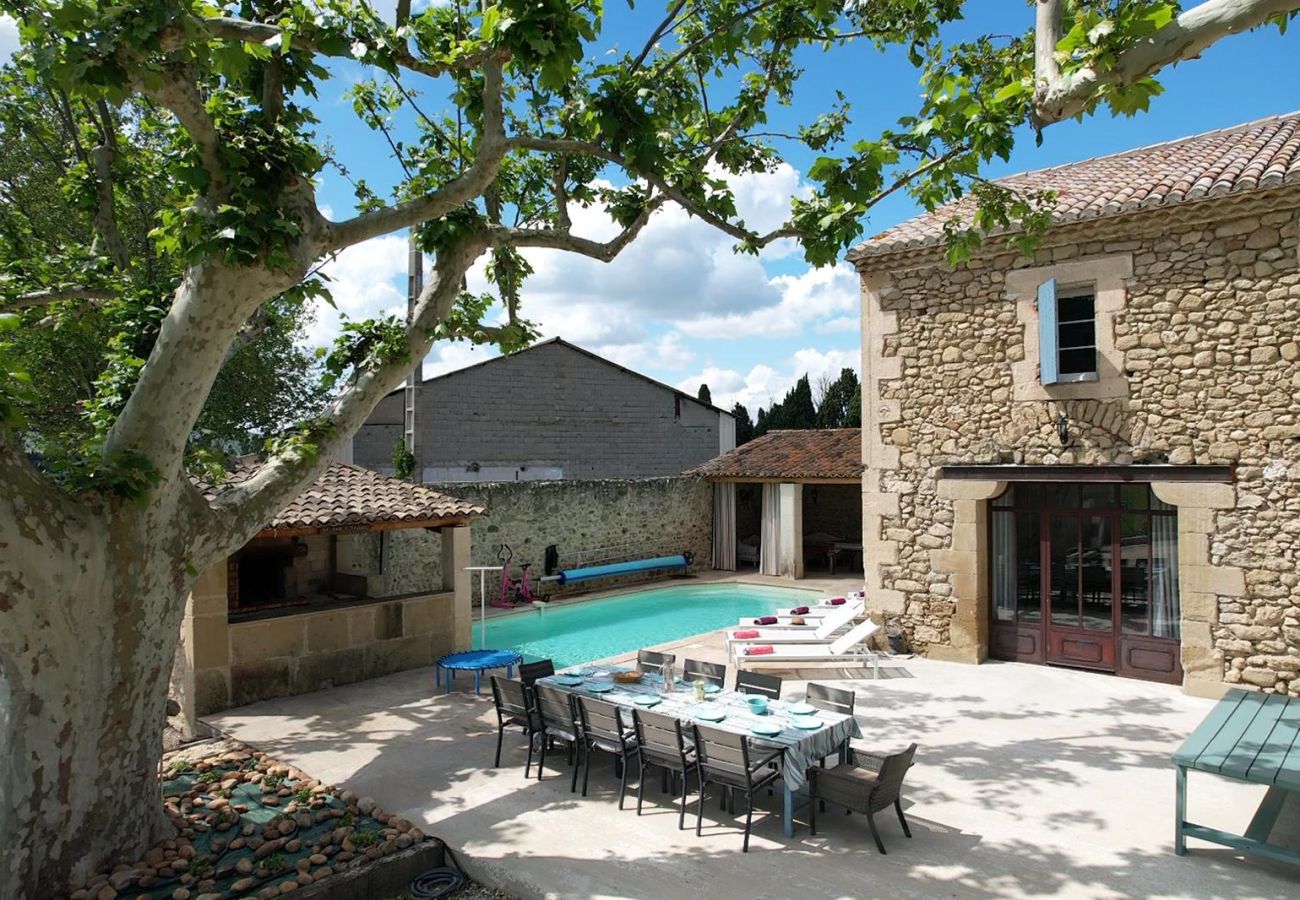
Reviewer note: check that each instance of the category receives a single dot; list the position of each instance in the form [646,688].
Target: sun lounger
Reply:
[816,612]
[850,649]
[822,633]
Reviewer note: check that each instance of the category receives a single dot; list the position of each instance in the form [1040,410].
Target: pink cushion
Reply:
[759,650]
[765,620]
[747,633]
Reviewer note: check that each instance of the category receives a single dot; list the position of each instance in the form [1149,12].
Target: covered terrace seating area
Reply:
[788,503]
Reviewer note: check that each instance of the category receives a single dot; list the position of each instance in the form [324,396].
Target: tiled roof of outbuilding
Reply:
[791,455]
[351,496]
[1253,156]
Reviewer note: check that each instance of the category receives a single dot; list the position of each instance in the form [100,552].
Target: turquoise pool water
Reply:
[594,629]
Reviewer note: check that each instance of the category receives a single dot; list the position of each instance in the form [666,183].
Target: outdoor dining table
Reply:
[800,748]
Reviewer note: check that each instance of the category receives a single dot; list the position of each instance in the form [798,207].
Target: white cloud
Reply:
[452,355]
[763,384]
[666,352]
[364,284]
[683,273]
[8,37]
[826,299]
[680,273]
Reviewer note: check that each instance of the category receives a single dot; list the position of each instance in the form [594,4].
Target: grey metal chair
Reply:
[768,686]
[725,759]
[710,673]
[602,728]
[514,709]
[529,672]
[651,661]
[866,783]
[662,743]
[557,721]
[831,699]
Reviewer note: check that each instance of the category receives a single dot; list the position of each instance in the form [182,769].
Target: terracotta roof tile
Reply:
[346,495]
[1253,156]
[819,453]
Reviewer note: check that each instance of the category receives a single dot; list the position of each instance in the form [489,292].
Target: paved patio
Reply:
[1030,782]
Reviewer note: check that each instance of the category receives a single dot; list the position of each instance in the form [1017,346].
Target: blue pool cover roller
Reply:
[624,568]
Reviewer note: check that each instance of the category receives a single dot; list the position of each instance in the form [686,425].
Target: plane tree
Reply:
[503,117]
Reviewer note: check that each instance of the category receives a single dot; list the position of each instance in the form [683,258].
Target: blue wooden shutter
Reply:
[1048,341]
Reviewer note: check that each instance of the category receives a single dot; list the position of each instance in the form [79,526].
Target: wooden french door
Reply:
[1085,576]
[1078,588]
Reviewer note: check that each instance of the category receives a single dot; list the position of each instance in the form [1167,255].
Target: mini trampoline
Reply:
[475,661]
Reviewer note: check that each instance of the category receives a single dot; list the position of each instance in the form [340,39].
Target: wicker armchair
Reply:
[865,784]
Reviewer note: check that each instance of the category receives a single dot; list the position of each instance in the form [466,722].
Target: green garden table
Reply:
[799,748]
[1248,736]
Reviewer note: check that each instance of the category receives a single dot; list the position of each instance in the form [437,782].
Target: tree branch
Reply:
[232,28]
[460,190]
[244,508]
[559,239]
[1063,95]
[178,93]
[58,295]
[105,218]
[585,148]
[656,35]
[273,90]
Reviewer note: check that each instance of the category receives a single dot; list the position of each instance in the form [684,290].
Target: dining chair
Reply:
[710,673]
[557,720]
[662,743]
[768,686]
[832,699]
[513,710]
[529,672]
[729,760]
[651,661]
[867,783]
[602,728]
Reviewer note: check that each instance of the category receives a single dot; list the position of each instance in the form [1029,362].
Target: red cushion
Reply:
[759,650]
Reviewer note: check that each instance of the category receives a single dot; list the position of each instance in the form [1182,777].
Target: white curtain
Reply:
[1004,564]
[769,544]
[1164,577]
[724,526]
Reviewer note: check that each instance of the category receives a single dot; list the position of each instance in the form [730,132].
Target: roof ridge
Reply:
[1259,155]
[1171,142]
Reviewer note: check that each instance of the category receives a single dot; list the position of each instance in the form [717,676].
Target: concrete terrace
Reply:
[1030,782]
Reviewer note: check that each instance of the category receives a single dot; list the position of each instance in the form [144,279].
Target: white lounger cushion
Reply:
[806,652]
[830,624]
[813,616]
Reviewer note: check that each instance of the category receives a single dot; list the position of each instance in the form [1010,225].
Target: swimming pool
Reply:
[594,629]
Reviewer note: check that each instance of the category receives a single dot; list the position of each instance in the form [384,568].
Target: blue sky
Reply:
[678,304]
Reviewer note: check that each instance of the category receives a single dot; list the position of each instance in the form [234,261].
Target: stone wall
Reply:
[641,517]
[1199,337]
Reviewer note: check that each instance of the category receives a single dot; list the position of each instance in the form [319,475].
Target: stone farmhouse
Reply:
[1091,457]
[553,411]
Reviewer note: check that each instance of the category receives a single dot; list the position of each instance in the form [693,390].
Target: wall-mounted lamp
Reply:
[1063,429]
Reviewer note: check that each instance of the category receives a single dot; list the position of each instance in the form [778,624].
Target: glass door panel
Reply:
[1135,573]
[1097,570]
[1029,567]
[1065,563]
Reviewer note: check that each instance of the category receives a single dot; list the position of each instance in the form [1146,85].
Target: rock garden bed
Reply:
[249,826]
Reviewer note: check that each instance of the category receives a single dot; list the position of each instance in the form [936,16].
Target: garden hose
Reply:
[440,882]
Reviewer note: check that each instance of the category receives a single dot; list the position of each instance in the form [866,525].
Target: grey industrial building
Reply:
[552,411]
